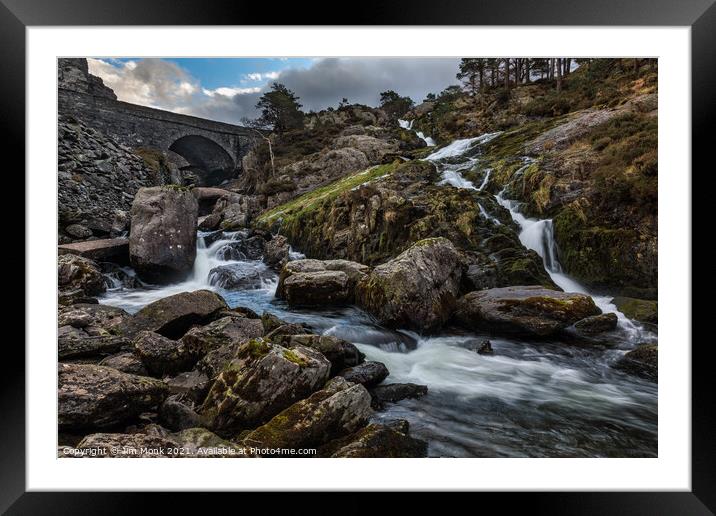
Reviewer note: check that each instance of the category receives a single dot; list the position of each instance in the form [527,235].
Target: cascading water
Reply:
[408,124]
[531,399]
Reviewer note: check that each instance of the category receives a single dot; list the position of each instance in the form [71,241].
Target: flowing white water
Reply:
[408,124]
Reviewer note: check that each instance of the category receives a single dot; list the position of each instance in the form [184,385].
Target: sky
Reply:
[227,89]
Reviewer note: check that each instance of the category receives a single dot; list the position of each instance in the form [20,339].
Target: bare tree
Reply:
[559,74]
[259,129]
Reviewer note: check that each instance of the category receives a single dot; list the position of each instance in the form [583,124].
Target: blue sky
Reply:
[227,89]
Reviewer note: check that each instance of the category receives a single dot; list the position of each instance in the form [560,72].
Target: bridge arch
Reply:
[206,158]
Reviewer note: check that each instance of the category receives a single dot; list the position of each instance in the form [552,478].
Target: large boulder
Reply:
[276,252]
[597,324]
[161,355]
[642,310]
[642,361]
[416,290]
[316,282]
[338,409]
[340,353]
[79,276]
[236,276]
[91,396]
[162,239]
[524,310]
[202,339]
[368,373]
[90,330]
[376,441]
[172,316]
[392,392]
[126,362]
[262,380]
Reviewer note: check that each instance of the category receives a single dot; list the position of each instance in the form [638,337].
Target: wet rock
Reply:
[92,396]
[192,384]
[236,276]
[172,316]
[270,322]
[417,290]
[126,363]
[338,409]
[524,310]
[641,310]
[642,361]
[276,251]
[161,355]
[177,416]
[137,446]
[368,373]
[75,273]
[392,392]
[262,380]
[199,340]
[209,222]
[340,353]
[378,441]
[316,282]
[597,324]
[162,239]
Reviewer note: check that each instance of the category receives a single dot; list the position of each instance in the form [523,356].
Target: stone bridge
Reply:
[212,150]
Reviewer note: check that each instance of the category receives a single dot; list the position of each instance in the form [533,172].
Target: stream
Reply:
[529,399]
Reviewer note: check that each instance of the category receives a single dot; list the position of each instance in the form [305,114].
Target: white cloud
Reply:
[230,92]
[257,76]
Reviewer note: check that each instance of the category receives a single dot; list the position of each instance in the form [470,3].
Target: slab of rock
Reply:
[368,373]
[137,446]
[523,310]
[162,238]
[416,290]
[340,353]
[377,441]
[202,339]
[162,356]
[89,330]
[172,316]
[338,409]
[262,380]
[91,396]
[114,250]
[642,361]
[126,363]
[192,384]
[319,283]
[75,273]
[597,324]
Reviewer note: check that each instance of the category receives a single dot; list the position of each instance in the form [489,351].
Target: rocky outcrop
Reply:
[642,361]
[162,240]
[529,311]
[78,277]
[73,74]
[416,290]
[321,283]
[338,409]
[263,379]
[172,316]
[92,396]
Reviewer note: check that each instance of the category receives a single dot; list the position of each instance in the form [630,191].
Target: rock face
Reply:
[416,290]
[79,275]
[642,361]
[321,283]
[162,240]
[528,311]
[262,380]
[96,396]
[376,441]
[172,316]
[338,409]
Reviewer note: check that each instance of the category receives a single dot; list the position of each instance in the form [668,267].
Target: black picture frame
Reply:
[699,15]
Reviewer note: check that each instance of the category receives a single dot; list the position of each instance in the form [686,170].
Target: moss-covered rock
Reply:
[642,361]
[376,441]
[642,310]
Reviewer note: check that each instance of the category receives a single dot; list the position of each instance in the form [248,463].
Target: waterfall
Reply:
[408,125]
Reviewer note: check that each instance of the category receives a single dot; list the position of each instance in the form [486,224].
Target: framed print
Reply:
[428,252]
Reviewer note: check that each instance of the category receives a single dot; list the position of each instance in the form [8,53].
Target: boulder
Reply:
[209,222]
[642,310]
[114,250]
[642,361]
[340,353]
[75,273]
[276,251]
[91,396]
[236,276]
[172,316]
[137,446]
[597,324]
[201,443]
[90,330]
[319,283]
[416,290]
[177,416]
[161,355]
[191,384]
[376,441]
[162,238]
[525,310]
[338,409]
[368,373]
[199,340]
[126,363]
[392,392]
[262,380]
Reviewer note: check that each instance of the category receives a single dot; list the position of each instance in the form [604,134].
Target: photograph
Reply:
[357,257]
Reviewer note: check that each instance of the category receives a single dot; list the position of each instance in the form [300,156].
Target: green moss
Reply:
[257,348]
[294,357]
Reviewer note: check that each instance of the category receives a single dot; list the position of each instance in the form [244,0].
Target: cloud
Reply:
[166,85]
